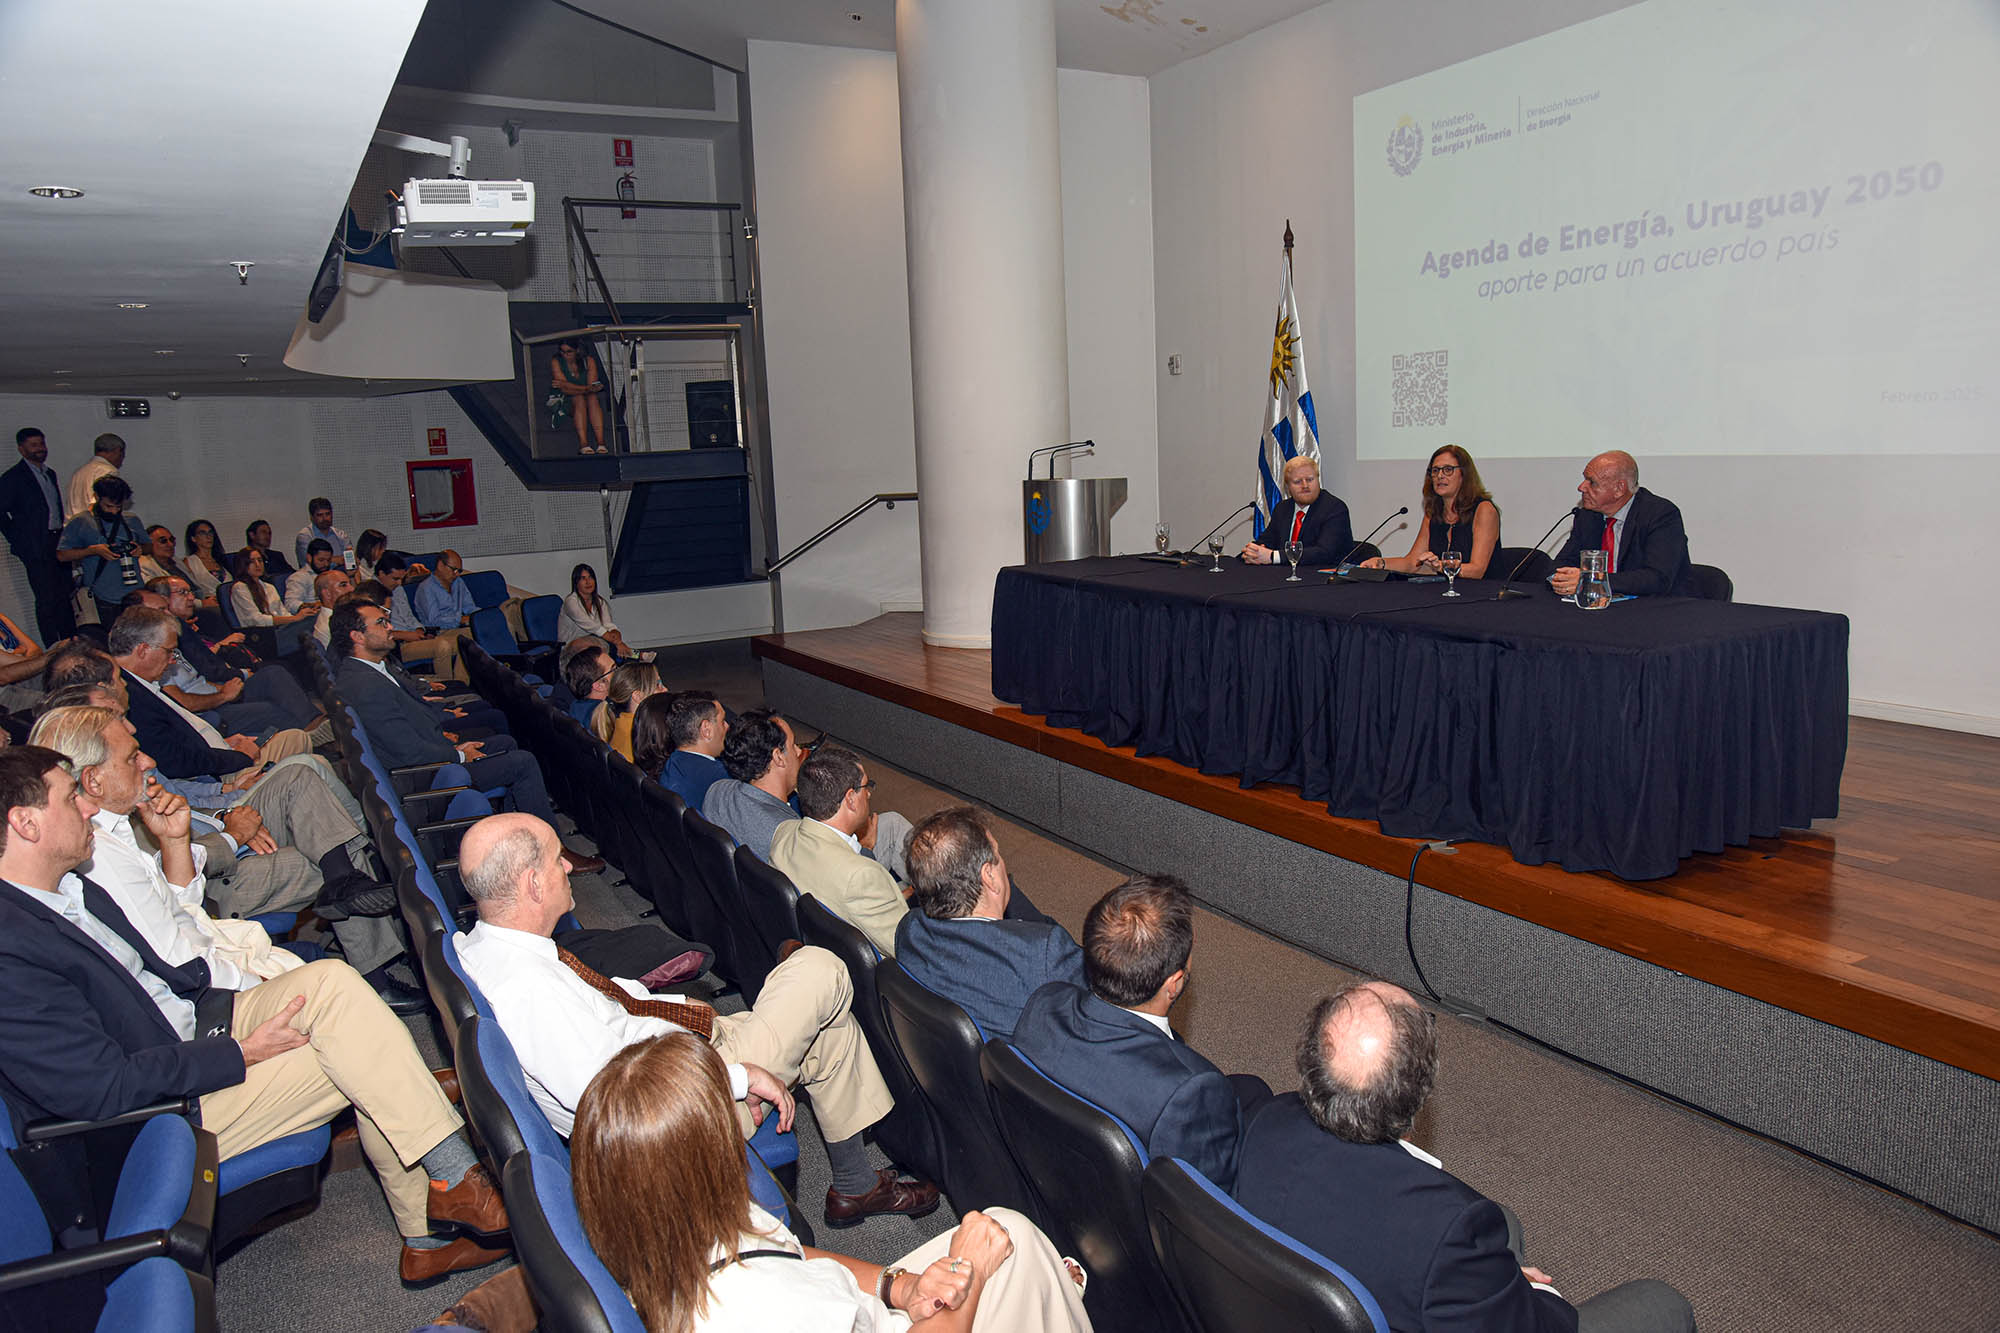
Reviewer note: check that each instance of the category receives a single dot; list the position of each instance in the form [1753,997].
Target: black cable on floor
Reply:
[1409,916]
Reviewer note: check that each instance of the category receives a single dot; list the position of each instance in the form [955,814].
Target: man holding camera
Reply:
[108,542]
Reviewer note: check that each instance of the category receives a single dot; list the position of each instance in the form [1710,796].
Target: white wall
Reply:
[836,311]
[232,460]
[1261,130]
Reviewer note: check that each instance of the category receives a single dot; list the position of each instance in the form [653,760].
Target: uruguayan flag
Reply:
[1289,426]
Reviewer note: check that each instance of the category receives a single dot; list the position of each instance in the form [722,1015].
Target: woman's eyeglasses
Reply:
[1444,470]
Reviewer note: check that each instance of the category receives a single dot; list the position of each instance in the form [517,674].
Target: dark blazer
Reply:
[1431,1249]
[1326,536]
[176,747]
[988,968]
[24,512]
[402,729]
[1653,549]
[1176,1102]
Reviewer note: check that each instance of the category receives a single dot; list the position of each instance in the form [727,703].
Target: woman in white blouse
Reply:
[204,564]
[585,615]
[257,604]
[657,1162]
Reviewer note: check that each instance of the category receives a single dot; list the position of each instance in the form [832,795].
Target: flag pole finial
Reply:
[1288,235]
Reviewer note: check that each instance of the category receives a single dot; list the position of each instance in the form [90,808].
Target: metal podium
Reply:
[1069,518]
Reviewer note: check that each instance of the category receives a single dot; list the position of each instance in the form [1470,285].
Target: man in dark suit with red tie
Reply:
[1307,515]
[31,516]
[1646,546]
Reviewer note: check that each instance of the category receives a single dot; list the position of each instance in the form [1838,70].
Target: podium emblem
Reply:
[1038,513]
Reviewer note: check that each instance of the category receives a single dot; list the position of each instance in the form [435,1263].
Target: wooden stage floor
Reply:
[1885,922]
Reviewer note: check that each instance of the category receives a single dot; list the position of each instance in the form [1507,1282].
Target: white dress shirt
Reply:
[67,901]
[171,916]
[1157,1021]
[1618,533]
[853,842]
[563,1031]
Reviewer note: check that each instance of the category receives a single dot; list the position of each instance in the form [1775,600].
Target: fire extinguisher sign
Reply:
[628,183]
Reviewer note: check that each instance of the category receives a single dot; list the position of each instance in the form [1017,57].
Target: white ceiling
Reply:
[1111,36]
[201,131]
[207,131]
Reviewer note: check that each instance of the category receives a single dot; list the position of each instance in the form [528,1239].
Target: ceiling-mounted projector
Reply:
[457,211]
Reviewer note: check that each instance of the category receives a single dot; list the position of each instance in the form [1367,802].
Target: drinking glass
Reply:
[1451,560]
[1215,555]
[1292,553]
[1162,537]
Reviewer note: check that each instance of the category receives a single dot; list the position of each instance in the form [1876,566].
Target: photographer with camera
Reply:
[108,542]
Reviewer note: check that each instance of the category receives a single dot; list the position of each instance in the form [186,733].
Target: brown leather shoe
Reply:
[911,1198]
[448,1085]
[421,1268]
[580,864]
[472,1204]
[500,1304]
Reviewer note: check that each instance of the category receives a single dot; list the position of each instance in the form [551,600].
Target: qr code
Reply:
[1422,389]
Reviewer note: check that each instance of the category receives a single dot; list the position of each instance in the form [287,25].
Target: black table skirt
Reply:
[1619,740]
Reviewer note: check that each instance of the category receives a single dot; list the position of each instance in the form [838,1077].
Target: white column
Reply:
[982,203]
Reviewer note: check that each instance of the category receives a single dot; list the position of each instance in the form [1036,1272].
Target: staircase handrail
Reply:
[887,499]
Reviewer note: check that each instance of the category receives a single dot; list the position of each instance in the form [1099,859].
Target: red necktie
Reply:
[1610,547]
[1298,521]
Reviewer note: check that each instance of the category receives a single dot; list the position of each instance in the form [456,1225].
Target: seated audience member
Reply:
[21,664]
[257,537]
[415,640]
[957,942]
[259,702]
[691,727]
[1643,535]
[586,615]
[107,455]
[1459,516]
[824,853]
[319,528]
[257,605]
[328,590]
[158,562]
[631,684]
[368,548]
[100,540]
[566,1020]
[708,1258]
[1307,515]
[464,715]
[443,599]
[588,676]
[207,568]
[1111,1043]
[762,756]
[404,731]
[142,643]
[299,587]
[94,1023]
[1326,1166]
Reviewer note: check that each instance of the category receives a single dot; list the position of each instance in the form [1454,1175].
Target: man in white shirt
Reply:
[107,456]
[565,1024]
[822,852]
[318,560]
[328,589]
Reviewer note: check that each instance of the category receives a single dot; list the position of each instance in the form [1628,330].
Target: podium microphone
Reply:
[1196,548]
[1507,593]
[1371,535]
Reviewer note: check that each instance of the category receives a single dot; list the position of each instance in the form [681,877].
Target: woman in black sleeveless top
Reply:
[1459,516]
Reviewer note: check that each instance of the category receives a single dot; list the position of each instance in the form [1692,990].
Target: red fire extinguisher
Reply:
[628,188]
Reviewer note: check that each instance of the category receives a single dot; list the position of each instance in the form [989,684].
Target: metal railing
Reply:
[888,499]
[637,393]
[655,251]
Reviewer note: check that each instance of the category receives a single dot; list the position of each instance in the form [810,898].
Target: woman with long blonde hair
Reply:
[631,684]
[657,1161]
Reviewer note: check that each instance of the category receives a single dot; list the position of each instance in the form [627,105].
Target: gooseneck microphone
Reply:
[1507,592]
[1371,534]
[1196,548]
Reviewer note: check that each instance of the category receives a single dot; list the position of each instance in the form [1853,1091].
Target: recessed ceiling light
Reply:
[163,351]
[55,191]
[62,372]
[133,305]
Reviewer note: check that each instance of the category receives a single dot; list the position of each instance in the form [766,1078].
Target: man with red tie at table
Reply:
[1307,515]
[1646,545]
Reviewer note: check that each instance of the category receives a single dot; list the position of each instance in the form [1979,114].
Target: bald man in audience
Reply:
[1328,1166]
[1111,1043]
[566,1020]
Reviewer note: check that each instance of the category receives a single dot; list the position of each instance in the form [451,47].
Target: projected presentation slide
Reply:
[1688,228]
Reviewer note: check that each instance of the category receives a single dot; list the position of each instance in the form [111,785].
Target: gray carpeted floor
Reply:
[1610,1181]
